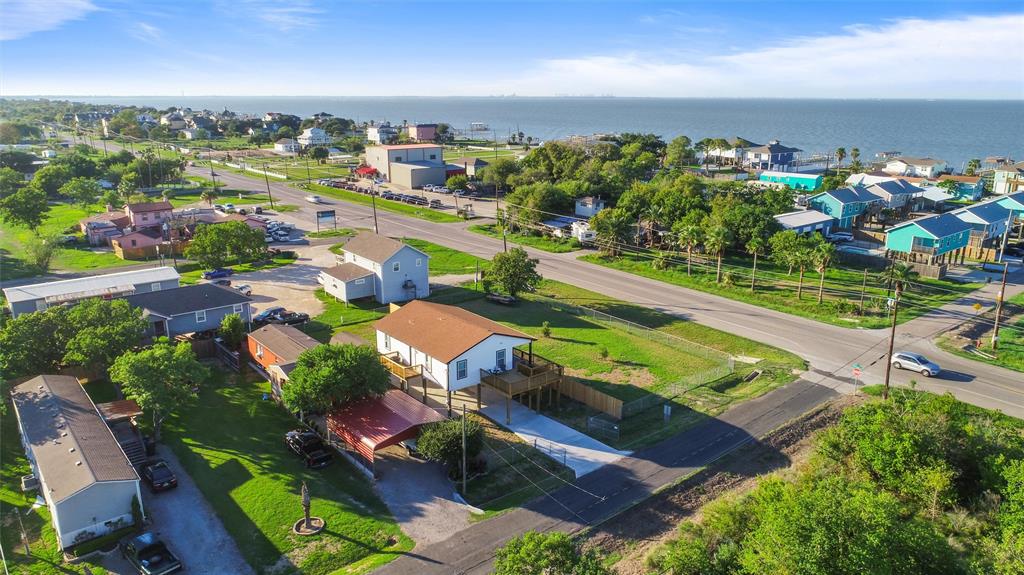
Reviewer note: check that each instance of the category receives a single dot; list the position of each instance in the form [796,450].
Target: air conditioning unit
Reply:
[29,482]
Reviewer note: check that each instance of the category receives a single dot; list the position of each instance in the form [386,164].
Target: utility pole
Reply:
[1006,234]
[892,340]
[373,202]
[999,307]
[463,448]
[267,179]
[863,288]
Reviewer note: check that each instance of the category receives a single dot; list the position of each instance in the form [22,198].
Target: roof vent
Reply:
[77,463]
[63,434]
[71,450]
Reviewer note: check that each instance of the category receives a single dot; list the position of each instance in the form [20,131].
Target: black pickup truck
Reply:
[149,555]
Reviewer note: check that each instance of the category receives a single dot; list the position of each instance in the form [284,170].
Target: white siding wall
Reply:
[96,510]
[481,356]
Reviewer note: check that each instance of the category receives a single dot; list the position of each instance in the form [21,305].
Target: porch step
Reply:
[135,451]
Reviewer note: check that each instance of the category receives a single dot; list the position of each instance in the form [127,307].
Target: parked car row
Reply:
[411,199]
[344,185]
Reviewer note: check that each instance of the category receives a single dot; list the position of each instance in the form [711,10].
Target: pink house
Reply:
[148,214]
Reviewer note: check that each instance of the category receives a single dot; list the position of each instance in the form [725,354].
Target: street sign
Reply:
[325,218]
[856,372]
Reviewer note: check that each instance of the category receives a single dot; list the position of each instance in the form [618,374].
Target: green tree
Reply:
[10,133]
[716,238]
[442,442]
[611,229]
[232,330]
[50,178]
[952,187]
[840,156]
[214,245]
[689,234]
[208,195]
[678,152]
[973,165]
[329,375]
[101,331]
[41,250]
[755,247]
[26,207]
[33,343]
[10,181]
[159,378]
[823,253]
[784,246]
[82,191]
[552,553]
[499,171]
[515,271]
[319,153]
[457,183]
[130,183]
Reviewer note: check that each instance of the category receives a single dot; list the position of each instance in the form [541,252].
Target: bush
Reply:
[442,442]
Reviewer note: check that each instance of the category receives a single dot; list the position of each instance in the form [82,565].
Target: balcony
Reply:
[926,250]
[407,374]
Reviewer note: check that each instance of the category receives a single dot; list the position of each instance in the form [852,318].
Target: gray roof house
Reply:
[190,309]
[378,266]
[84,476]
[36,297]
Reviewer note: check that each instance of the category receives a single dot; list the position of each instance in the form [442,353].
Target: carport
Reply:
[372,424]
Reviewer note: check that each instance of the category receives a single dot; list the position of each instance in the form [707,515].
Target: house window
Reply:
[238,308]
[462,369]
[145,217]
[387,341]
[419,262]
[396,266]
[398,158]
[433,156]
[133,243]
[155,286]
[499,359]
[259,350]
[201,316]
[360,281]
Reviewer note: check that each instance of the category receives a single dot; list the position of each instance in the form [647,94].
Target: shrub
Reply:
[442,442]
[545,329]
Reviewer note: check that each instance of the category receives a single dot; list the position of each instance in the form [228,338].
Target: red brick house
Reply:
[276,348]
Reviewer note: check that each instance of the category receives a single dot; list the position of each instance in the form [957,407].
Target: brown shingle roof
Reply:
[285,341]
[73,448]
[443,332]
[347,272]
[962,179]
[150,207]
[374,247]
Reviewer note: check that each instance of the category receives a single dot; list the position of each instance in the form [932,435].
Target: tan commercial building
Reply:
[409,165]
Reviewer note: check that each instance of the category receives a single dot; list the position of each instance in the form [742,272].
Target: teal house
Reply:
[802,182]
[1013,202]
[844,204]
[929,243]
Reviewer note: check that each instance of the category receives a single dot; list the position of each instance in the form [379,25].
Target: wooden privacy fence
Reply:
[590,397]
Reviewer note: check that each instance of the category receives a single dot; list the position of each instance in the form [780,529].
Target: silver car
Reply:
[915,362]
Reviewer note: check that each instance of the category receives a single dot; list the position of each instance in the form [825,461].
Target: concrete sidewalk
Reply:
[576,450]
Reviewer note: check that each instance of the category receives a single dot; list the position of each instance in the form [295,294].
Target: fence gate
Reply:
[601,425]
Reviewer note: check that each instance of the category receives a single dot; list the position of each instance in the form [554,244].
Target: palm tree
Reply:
[611,228]
[716,239]
[208,195]
[652,217]
[801,256]
[900,275]
[972,166]
[855,154]
[689,235]
[824,252]
[755,247]
[840,156]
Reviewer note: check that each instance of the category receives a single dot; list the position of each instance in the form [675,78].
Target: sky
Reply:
[709,48]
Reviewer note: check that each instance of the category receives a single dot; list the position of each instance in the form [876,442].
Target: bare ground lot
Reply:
[633,534]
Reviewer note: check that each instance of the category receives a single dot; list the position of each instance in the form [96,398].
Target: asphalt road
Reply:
[830,350]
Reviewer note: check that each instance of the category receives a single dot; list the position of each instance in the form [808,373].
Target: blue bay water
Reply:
[952,130]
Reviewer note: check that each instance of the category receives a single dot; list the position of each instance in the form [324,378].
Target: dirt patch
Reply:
[638,377]
[633,534]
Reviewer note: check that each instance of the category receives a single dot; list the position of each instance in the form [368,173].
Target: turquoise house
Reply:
[803,182]
[1013,202]
[930,236]
[967,187]
[844,204]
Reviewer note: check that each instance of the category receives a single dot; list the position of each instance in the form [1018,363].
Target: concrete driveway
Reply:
[293,286]
[187,524]
[420,496]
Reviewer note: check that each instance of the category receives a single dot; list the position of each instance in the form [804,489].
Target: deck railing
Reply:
[393,363]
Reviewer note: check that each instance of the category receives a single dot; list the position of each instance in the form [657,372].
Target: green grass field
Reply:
[62,218]
[195,274]
[547,244]
[776,289]
[1010,351]
[230,442]
[420,212]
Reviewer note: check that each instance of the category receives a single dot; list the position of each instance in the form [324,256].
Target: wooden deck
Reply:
[529,376]
[407,375]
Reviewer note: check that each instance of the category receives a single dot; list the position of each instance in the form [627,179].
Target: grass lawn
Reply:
[356,317]
[337,233]
[638,366]
[1010,353]
[777,290]
[46,558]
[195,275]
[230,442]
[554,245]
[62,218]
[420,212]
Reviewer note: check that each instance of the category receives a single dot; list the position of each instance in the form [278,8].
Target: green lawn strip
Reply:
[842,289]
[45,558]
[1009,353]
[194,273]
[420,212]
[356,317]
[553,245]
[61,219]
[510,460]
[335,233]
[253,483]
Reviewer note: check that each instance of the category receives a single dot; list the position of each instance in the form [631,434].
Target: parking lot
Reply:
[428,197]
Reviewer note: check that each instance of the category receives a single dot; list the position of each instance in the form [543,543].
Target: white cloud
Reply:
[971,57]
[146,32]
[284,17]
[20,18]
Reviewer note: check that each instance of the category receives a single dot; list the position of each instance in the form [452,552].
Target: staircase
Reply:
[131,443]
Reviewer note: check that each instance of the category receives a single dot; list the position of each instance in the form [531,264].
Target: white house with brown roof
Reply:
[82,472]
[452,344]
[377,266]
[923,167]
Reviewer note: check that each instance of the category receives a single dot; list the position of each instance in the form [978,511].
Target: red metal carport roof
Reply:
[374,423]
